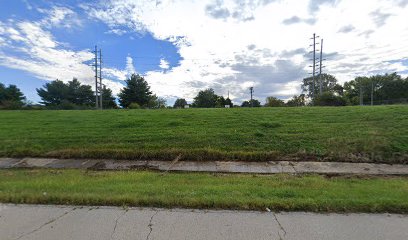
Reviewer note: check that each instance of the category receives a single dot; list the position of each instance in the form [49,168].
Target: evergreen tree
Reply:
[11,97]
[108,101]
[53,93]
[71,95]
[80,95]
[137,91]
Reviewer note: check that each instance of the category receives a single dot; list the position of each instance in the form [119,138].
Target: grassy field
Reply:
[365,134]
[202,190]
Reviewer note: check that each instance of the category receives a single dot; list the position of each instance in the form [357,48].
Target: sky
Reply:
[184,46]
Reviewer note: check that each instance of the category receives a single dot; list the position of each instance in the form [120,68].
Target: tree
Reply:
[274,102]
[220,102]
[297,101]
[384,89]
[156,102]
[229,102]
[329,84]
[108,101]
[180,103]
[205,99]
[251,103]
[137,90]
[70,95]
[11,97]
[80,95]
[329,99]
[53,93]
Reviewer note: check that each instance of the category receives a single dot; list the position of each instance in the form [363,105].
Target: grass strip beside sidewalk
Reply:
[204,190]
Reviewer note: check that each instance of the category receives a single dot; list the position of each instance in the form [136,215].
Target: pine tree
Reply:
[108,101]
[137,90]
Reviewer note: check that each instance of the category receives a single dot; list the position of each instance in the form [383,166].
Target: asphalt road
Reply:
[67,222]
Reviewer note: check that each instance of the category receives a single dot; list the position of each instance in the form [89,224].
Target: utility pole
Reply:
[320,66]
[251,90]
[96,77]
[314,64]
[100,79]
[361,95]
[372,93]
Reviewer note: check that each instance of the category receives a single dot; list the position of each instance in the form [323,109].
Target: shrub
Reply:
[329,99]
[134,106]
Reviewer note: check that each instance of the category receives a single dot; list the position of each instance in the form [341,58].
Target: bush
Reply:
[329,99]
[10,105]
[134,106]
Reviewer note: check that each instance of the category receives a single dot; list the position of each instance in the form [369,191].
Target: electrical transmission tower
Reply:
[313,66]
[98,78]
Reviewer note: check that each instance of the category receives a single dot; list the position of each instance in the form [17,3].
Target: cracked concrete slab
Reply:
[114,223]
[134,225]
[81,224]
[188,224]
[344,226]
[211,166]
[19,221]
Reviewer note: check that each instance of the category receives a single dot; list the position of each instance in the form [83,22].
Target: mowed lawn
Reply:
[205,190]
[367,134]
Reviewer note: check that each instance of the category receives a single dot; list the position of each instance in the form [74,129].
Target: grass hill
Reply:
[364,134]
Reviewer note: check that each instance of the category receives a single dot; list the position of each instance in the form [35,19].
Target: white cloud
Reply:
[60,17]
[164,64]
[130,68]
[226,44]
[30,47]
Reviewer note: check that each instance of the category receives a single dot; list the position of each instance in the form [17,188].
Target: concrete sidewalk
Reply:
[211,166]
[36,222]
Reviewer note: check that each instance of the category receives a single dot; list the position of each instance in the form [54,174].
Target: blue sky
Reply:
[183,46]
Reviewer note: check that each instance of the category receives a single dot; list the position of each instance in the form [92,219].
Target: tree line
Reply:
[375,90]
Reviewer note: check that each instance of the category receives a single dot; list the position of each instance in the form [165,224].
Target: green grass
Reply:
[204,190]
[364,134]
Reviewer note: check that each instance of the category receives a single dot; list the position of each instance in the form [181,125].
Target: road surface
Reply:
[99,223]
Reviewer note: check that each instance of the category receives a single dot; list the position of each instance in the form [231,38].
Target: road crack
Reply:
[116,223]
[45,224]
[293,167]
[150,225]
[281,228]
